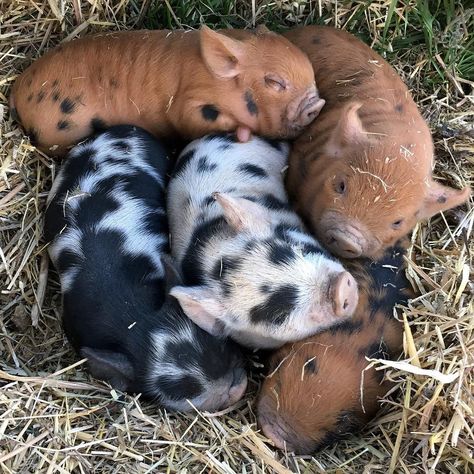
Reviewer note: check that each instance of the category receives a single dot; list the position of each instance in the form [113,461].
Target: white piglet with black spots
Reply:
[251,270]
[107,230]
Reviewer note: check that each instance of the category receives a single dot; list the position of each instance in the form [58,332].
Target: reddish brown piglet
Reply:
[319,390]
[361,174]
[171,83]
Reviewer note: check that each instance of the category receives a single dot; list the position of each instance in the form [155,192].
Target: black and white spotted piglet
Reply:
[108,233]
[253,272]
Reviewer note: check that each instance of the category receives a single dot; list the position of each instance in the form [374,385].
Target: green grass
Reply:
[411,30]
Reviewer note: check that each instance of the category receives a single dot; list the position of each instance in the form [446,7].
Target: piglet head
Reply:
[310,399]
[367,191]
[269,289]
[278,93]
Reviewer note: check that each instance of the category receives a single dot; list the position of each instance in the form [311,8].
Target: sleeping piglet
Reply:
[108,239]
[320,390]
[185,83]
[251,270]
[361,175]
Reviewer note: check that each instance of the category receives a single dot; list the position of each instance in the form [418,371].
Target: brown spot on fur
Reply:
[30,97]
[114,83]
[40,97]
[442,199]
[399,108]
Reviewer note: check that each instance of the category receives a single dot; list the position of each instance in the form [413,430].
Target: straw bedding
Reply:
[55,418]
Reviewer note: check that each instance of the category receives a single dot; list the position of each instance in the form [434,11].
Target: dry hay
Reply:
[55,418]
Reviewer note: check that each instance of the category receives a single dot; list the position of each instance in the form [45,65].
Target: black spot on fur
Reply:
[348,422]
[253,170]
[64,125]
[209,112]
[67,106]
[34,138]
[281,254]
[347,327]
[40,97]
[271,202]
[123,146]
[311,366]
[265,289]
[204,165]
[282,231]
[55,83]
[179,388]
[191,266]
[250,102]
[67,259]
[276,144]
[399,108]
[89,213]
[98,125]
[223,266]
[208,201]
[441,199]
[30,97]
[55,96]
[183,161]
[376,350]
[277,308]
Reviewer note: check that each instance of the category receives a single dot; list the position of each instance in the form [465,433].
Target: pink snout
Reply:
[303,110]
[346,242]
[345,295]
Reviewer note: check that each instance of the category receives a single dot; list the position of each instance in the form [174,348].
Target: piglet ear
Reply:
[200,305]
[242,214]
[113,367]
[222,55]
[441,198]
[348,132]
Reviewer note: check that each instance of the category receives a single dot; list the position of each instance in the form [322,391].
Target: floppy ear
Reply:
[113,367]
[201,306]
[222,55]
[441,198]
[242,214]
[349,130]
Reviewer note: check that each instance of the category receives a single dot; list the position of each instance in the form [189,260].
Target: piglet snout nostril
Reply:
[345,294]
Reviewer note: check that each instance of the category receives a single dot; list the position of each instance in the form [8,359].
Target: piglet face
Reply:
[365,194]
[276,78]
[189,368]
[300,411]
[276,285]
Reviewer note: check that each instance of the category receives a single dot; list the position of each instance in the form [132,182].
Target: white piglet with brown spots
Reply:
[250,269]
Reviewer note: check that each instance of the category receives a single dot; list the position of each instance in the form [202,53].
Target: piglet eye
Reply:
[397,224]
[341,186]
[275,82]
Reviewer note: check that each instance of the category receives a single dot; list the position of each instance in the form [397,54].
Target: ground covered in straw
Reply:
[55,418]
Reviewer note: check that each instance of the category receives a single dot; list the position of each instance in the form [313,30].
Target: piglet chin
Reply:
[345,295]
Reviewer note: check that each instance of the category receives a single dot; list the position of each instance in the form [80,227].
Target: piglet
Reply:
[185,83]
[320,390]
[250,268]
[361,175]
[108,238]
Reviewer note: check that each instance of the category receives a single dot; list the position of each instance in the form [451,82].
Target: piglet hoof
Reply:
[345,294]
[243,134]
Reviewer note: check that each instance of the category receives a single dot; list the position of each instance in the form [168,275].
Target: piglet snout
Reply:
[346,243]
[345,295]
[303,110]
[238,387]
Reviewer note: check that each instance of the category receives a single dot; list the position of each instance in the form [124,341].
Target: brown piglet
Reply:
[361,174]
[171,83]
[320,390]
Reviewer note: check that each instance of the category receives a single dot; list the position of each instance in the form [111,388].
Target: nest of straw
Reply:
[55,418]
